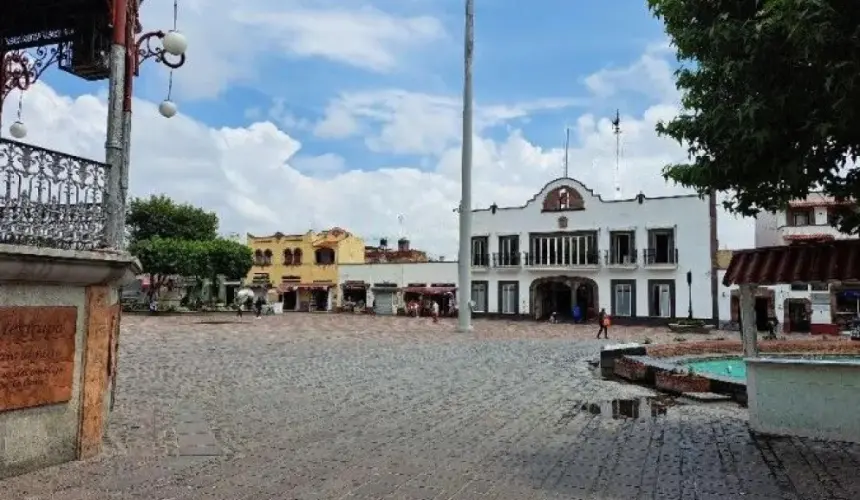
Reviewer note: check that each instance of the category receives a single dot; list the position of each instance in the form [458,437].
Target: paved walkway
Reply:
[340,407]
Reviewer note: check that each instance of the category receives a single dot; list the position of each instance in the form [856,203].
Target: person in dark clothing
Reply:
[258,306]
[603,321]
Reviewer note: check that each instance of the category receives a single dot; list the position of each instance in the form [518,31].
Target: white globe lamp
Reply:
[18,130]
[174,43]
[167,108]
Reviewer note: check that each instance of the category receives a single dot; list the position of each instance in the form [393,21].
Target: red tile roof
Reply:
[808,237]
[802,263]
[821,202]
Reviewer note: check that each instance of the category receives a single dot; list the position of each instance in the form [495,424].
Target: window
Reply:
[570,249]
[297,257]
[802,218]
[622,248]
[288,257]
[563,199]
[799,287]
[324,256]
[479,296]
[259,260]
[267,257]
[508,297]
[661,298]
[509,251]
[291,278]
[623,299]
[820,287]
[661,247]
[260,279]
[480,251]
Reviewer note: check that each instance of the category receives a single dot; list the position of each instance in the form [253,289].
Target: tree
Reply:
[229,258]
[159,216]
[771,98]
[164,258]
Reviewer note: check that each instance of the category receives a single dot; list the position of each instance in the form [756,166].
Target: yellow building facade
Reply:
[301,270]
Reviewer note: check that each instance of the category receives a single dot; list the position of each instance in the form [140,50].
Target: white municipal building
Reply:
[568,246]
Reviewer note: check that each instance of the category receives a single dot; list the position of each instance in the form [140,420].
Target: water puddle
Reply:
[624,409]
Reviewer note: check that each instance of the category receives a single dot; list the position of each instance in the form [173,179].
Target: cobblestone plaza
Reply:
[306,406]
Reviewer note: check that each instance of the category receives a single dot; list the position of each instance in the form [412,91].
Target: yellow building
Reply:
[301,270]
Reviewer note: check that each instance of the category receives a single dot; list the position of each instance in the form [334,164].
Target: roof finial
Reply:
[566,147]
[616,129]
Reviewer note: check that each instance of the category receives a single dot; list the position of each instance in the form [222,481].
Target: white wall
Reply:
[767,229]
[402,274]
[688,215]
[807,398]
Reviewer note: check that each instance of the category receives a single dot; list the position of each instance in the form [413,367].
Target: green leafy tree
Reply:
[160,216]
[229,258]
[771,98]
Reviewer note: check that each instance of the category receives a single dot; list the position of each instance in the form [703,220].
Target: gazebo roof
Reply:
[799,263]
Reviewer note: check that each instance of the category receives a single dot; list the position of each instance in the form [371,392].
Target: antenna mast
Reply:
[566,148]
[616,129]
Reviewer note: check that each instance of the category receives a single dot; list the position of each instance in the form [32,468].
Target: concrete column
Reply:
[749,331]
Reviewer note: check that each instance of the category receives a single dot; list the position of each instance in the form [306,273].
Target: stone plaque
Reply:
[37,355]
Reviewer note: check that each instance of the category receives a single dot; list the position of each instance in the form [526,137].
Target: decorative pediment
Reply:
[562,199]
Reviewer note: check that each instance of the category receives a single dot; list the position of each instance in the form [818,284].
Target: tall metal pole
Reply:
[114,226]
[465,260]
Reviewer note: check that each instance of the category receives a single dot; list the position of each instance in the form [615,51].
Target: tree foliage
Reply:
[162,258]
[172,239]
[771,98]
[159,216]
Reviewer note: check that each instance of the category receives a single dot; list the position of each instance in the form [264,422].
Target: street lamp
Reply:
[690,289]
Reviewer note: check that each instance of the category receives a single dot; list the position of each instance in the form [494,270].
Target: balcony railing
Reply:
[653,257]
[611,258]
[51,199]
[586,259]
[507,259]
[481,260]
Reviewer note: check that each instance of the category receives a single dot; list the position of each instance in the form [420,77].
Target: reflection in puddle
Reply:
[623,409]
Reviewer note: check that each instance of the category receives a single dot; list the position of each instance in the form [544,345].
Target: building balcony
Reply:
[508,261]
[588,261]
[481,262]
[617,260]
[660,258]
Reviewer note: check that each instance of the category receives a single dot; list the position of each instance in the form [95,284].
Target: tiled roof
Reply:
[802,263]
[820,202]
[808,237]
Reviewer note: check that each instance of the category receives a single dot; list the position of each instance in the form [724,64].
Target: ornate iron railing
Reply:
[51,199]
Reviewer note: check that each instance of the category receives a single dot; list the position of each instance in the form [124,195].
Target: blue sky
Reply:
[289,100]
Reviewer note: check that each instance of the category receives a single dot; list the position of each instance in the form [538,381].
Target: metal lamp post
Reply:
[465,261]
[690,290]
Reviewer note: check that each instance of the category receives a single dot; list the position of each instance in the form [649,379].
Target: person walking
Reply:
[258,306]
[435,309]
[577,313]
[603,321]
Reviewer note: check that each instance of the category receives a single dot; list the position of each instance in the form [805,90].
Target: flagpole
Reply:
[464,291]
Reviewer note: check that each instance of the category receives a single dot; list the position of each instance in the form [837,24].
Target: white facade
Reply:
[413,274]
[637,252]
[809,218]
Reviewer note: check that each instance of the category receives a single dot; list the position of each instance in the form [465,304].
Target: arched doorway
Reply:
[560,294]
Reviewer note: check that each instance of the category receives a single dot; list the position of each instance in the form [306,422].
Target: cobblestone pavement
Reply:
[340,407]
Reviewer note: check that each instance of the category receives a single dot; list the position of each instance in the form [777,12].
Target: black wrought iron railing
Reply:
[481,260]
[51,199]
[550,260]
[615,258]
[507,259]
[660,256]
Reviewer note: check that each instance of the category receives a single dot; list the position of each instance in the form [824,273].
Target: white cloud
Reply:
[228,39]
[397,121]
[258,179]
